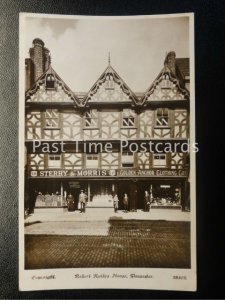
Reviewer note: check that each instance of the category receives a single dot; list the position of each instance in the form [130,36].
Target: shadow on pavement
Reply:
[31,223]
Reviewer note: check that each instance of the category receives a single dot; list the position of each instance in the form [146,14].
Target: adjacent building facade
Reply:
[99,141]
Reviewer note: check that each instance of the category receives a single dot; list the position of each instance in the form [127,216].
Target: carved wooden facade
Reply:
[110,111]
[86,121]
[100,124]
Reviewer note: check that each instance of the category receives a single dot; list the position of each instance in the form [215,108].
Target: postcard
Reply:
[107,152]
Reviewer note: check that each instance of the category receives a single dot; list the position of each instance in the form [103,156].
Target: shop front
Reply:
[166,188]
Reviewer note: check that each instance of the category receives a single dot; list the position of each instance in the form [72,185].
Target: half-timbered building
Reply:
[61,124]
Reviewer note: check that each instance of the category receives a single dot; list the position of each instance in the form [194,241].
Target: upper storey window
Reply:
[127,160]
[91,119]
[166,83]
[52,118]
[50,82]
[128,118]
[92,160]
[159,160]
[109,83]
[54,161]
[162,117]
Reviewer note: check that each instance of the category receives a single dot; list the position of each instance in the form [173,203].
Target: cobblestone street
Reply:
[128,243]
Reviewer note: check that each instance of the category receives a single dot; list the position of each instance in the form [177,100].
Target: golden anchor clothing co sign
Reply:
[108,173]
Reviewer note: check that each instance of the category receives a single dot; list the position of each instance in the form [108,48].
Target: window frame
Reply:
[52,118]
[166,82]
[60,161]
[109,83]
[52,81]
[125,155]
[159,165]
[93,117]
[128,115]
[162,116]
[96,155]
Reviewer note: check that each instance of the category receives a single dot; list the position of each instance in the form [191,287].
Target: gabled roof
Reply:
[117,79]
[42,80]
[176,73]
[173,79]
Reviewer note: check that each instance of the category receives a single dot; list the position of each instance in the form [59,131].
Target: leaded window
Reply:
[51,118]
[91,118]
[128,119]
[50,82]
[109,83]
[159,160]
[162,117]
[54,161]
[92,161]
[166,83]
[127,160]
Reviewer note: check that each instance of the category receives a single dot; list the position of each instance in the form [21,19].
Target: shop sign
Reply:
[152,173]
[73,173]
[108,173]
[74,184]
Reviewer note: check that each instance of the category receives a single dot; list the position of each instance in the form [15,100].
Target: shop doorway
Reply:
[143,186]
[128,187]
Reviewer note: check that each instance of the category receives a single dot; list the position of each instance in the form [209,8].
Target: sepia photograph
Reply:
[107,152]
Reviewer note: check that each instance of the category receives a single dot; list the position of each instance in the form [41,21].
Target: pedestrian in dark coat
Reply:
[70,202]
[125,202]
[147,201]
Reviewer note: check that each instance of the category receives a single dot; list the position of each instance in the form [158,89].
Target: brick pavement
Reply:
[129,243]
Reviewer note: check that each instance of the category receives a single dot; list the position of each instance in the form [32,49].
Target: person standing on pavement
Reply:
[116,203]
[82,201]
[70,202]
[147,201]
[33,197]
[125,202]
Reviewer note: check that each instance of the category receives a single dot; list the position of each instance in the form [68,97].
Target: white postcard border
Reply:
[55,279]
